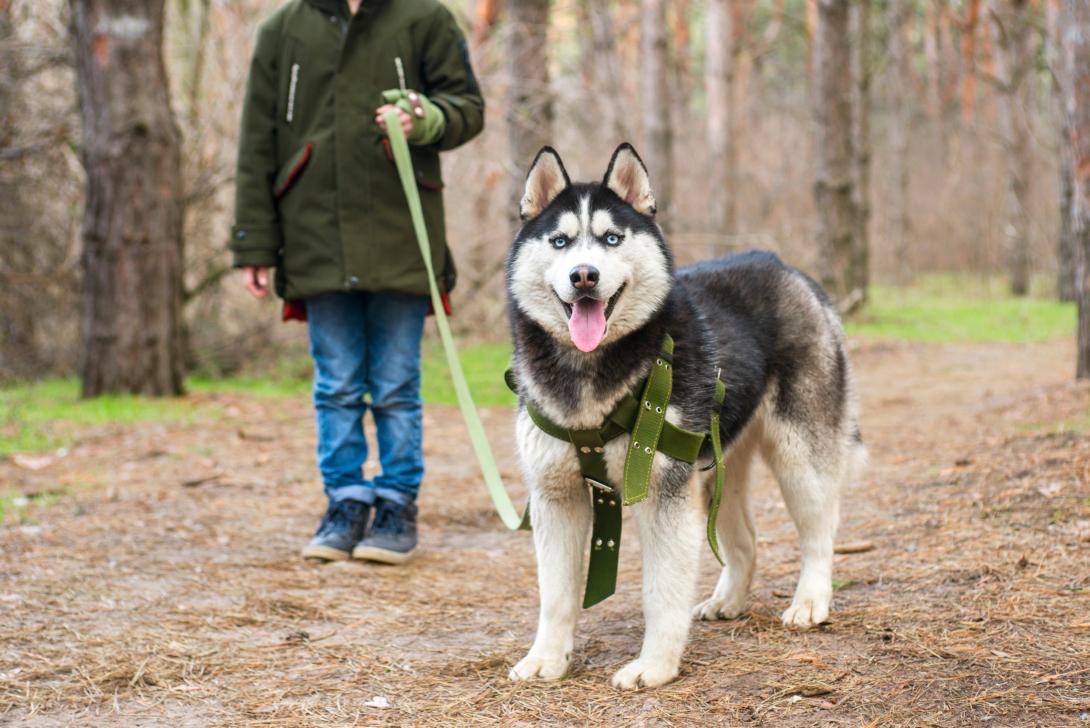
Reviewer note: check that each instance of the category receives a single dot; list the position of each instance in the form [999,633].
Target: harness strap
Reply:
[648,428]
[677,442]
[605,544]
[720,469]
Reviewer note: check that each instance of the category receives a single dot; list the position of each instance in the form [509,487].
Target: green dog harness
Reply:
[645,418]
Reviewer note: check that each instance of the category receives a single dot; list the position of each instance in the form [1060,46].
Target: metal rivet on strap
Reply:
[647,404]
[599,542]
[601,501]
[636,445]
[611,543]
[585,448]
[612,502]
[658,362]
[659,410]
[599,449]
[647,450]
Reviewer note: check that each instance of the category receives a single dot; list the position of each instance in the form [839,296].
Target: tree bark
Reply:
[900,84]
[132,222]
[860,33]
[1065,240]
[529,98]
[657,152]
[18,332]
[936,77]
[968,60]
[838,213]
[604,67]
[719,92]
[1013,64]
[484,17]
[1076,32]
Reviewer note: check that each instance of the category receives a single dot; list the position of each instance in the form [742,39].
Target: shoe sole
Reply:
[325,553]
[383,556]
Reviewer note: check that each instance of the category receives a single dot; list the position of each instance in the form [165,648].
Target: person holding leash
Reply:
[318,198]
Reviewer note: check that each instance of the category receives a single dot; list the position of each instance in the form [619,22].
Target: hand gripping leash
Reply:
[504,507]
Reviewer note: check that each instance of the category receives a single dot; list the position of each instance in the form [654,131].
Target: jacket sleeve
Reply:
[255,236]
[449,81]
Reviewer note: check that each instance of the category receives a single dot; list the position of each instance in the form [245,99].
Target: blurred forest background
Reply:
[874,144]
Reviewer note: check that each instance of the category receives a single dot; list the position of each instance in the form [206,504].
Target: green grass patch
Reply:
[483,364]
[294,386]
[43,415]
[943,308]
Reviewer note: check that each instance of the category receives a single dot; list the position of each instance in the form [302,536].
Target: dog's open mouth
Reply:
[587,319]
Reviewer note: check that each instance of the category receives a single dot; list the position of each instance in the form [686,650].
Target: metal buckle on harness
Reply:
[594,484]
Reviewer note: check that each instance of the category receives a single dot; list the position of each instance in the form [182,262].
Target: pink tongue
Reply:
[587,324]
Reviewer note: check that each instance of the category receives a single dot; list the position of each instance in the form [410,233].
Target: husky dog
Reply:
[591,291]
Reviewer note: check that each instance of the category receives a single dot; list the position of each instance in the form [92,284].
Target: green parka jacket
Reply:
[317,193]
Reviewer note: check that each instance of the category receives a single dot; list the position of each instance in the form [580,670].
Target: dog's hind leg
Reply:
[809,474]
[737,539]
[670,538]
[561,523]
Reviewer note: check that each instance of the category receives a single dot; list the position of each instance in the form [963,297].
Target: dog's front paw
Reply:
[644,673]
[716,608]
[538,667]
[807,611]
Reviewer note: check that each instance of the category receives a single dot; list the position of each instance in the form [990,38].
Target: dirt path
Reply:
[165,588]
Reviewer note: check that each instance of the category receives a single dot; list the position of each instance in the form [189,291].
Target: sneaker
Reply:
[342,527]
[392,537]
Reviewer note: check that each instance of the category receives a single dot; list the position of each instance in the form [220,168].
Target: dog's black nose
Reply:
[584,276]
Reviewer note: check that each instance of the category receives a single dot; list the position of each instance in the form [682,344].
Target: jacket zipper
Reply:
[291,92]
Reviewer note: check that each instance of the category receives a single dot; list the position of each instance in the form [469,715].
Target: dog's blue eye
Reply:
[559,241]
[613,239]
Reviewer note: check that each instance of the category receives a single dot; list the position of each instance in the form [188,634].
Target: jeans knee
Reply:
[405,396]
[340,395]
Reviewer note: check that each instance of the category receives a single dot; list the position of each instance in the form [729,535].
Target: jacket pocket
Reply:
[423,180]
[290,172]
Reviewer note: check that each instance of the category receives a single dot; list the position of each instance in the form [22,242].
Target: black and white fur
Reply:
[779,344]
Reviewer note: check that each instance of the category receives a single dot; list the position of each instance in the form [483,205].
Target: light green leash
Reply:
[504,507]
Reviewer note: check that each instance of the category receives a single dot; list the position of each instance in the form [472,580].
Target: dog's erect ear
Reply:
[546,179]
[627,177]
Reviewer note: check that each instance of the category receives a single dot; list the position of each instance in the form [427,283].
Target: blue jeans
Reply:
[368,343]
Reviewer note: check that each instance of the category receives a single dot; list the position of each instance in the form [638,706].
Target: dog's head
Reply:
[589,264]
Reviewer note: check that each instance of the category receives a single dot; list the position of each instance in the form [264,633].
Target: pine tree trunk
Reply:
[1076,31]
[1013,64]
[719,92]
[529,98]
[900,117]
[968,60]
[132,223]
[1065,240]
[860,32]
[604,65]
[656,151]
[936,78]
[18,333]
[838,214]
